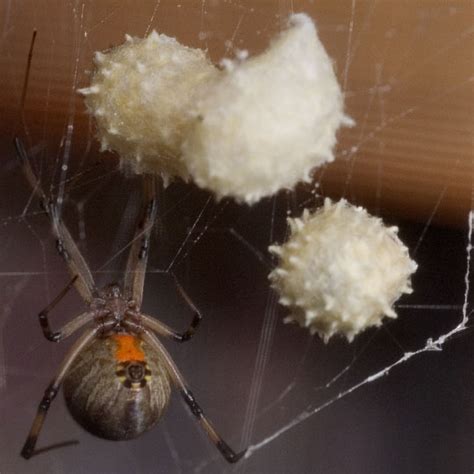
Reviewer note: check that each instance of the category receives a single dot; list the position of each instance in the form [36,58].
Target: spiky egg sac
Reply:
[140,96]
[246,131]
[341,270]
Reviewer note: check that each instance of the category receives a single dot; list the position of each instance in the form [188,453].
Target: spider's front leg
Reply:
[134,279]
[67,248]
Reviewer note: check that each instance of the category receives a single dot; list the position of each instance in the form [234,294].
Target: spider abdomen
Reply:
[117,388]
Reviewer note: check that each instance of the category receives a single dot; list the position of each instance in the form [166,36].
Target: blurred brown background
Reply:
[406,69]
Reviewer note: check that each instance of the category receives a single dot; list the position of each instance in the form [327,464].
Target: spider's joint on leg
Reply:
[184,337]
[149,208]
[61,249]
[51,336]
[192,403]
[49,395]
[143,249]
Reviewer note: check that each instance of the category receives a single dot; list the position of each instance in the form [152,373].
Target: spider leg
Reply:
[65,244]
[197,316]
[138,256]
[68,328]
[165,331]
[52,390]
[188,397]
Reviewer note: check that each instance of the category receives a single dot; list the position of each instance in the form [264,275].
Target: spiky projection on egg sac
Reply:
[341,270]
[140,96]
[245,131]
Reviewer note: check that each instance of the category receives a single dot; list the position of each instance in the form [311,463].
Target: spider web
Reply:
[397,398]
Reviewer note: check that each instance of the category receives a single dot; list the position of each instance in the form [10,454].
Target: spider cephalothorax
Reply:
[110,302]
[117,376]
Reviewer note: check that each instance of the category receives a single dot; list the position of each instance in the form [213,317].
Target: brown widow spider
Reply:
[117,376]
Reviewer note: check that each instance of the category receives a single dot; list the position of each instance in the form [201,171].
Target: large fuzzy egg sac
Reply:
[267,121]
[140,96]
[341,270]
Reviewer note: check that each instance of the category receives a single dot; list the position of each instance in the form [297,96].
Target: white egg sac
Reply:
[140,96]
[267,121]
[259,125]
[341,270]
